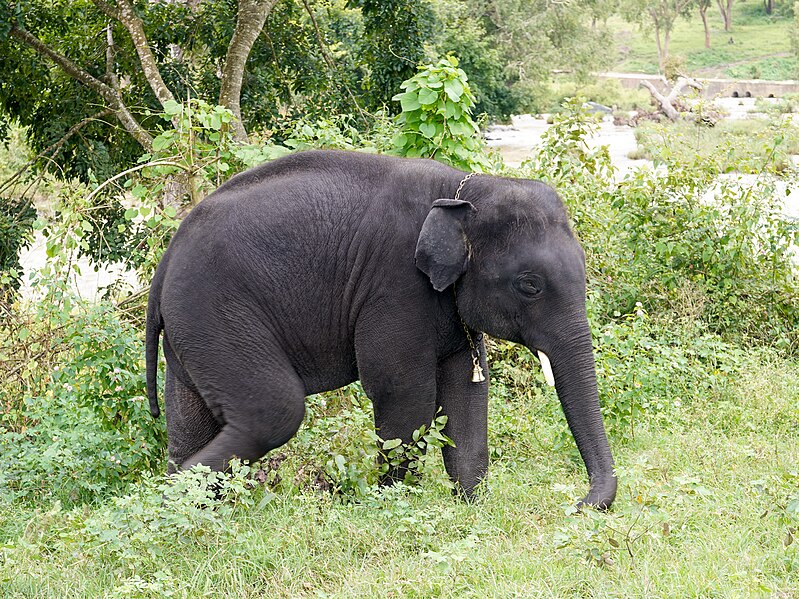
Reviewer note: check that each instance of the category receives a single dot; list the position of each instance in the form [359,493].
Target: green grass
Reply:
[757,40]
[701,511]
[748,145]
[767,68]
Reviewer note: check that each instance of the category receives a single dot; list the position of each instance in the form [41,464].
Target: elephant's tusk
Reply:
[546,366]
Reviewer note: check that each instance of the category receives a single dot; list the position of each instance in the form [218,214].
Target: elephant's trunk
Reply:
[575,382]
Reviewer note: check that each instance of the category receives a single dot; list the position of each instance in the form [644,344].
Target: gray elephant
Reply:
[324,267]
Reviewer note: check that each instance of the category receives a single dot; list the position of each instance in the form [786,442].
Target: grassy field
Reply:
[708,507]
[761,48]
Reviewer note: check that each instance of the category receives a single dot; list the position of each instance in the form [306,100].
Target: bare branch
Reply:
[55,148]
[667,102]
[665,105]
[249,23]
[682,83]
[138,167]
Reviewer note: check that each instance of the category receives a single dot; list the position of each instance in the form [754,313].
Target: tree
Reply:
[795,31]
[89,78]
[393,44]
[660,15]
[703,5]
[725,6]
[535,37]
[29,29]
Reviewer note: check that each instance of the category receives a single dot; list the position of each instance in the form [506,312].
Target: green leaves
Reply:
[436,117]
[454,89]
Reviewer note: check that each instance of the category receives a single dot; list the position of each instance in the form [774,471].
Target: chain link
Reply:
[462,183]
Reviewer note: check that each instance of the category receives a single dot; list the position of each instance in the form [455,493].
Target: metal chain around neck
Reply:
[474,349]
[462,183]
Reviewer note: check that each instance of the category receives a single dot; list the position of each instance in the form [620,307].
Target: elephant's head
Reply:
[519,274]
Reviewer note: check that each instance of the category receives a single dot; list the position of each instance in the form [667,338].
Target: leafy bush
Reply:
[648,372]
[75,424]
[338,448]
[726,244]
[436,119]
[563,158]
[340,132]
[679,239]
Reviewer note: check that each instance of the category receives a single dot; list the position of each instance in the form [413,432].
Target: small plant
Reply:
[563,158]
[339,449]
[79,426]
[416,458]
[436,119]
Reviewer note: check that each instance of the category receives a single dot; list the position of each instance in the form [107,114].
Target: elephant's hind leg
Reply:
[262,404]
[190,424]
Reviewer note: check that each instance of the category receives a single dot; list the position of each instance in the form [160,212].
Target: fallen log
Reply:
[667,103]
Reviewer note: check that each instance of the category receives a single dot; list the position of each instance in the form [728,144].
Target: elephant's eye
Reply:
[529,285]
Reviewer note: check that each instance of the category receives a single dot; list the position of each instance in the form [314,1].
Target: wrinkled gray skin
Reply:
[312,271]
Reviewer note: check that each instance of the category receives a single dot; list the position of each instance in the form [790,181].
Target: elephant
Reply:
[325,267]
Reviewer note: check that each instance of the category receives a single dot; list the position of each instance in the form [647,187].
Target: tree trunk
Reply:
[769,4]
[726,13]
[249,23]
[703,14]
[126,15]
[661,56]
[667,102]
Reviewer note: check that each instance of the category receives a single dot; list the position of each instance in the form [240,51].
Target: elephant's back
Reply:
[298,246]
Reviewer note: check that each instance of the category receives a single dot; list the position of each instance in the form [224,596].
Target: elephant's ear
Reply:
[442,251]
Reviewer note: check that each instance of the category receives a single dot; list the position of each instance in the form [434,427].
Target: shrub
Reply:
[75,422]
[747,146]
[436,119]
[16,226]
[338,449]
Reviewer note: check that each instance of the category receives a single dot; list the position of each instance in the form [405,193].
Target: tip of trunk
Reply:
[602,493]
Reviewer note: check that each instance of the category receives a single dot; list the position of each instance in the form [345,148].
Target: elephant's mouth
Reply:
[546,366]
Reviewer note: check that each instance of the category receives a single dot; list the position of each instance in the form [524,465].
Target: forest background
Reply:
[117,117]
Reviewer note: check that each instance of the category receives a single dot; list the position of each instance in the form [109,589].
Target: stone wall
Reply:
[730,88]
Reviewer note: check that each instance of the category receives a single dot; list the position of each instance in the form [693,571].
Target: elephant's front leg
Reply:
[466,406]
[399,376]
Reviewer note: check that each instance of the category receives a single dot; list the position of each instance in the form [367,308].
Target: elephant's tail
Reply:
[155,325]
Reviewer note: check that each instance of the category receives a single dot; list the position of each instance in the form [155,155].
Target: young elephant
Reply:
[312,271]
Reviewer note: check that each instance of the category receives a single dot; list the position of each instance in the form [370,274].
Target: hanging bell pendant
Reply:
[477,374]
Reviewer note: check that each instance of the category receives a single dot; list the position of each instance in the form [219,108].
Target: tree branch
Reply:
[69,67]
[125,14]
[667,102]
[111,96]
[682,83]
[250,21]
[665,105]
[55,148]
